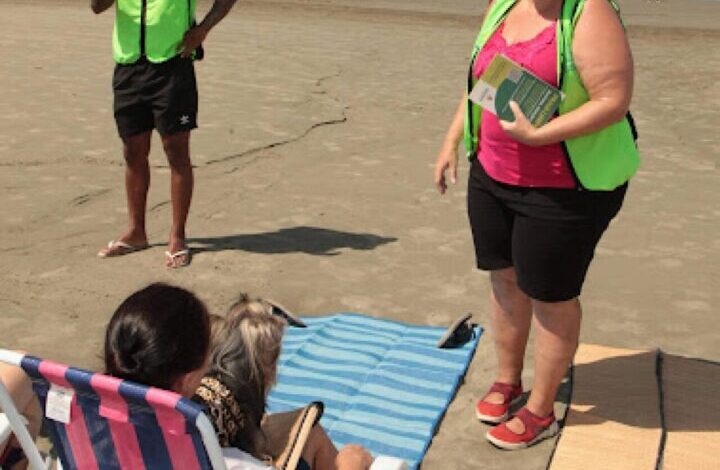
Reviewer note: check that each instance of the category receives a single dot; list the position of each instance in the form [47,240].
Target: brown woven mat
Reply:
[614,420]
[692,414]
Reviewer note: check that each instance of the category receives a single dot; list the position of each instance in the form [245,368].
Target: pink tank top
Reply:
[502,157]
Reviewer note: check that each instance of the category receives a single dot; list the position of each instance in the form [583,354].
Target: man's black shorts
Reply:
[548,235]
[162,96]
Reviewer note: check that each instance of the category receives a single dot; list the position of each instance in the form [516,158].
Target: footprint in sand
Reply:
[685,305]
[54,273]
[358,303]
[670,263]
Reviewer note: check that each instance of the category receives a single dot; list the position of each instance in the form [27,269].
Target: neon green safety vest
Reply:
[601,161]
[150,28]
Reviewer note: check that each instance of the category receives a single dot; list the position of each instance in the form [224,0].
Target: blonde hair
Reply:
[261,334]
[218,331]
[246,347]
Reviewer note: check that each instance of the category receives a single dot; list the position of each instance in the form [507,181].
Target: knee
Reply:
[136,154]
[179,163]
[178,155]
[562,319]
[504,283]
[18,385]
[566,308]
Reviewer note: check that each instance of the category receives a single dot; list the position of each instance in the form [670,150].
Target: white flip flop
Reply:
[173,256]
[122,249]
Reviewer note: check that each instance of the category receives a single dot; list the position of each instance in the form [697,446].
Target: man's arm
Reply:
[219,10]
[99,6]
[195,36]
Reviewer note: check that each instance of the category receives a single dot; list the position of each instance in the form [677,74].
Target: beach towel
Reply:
[385,384]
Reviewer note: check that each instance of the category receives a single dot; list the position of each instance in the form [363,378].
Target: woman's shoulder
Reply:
[599,14]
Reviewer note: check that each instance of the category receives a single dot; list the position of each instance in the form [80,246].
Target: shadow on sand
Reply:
[309,240]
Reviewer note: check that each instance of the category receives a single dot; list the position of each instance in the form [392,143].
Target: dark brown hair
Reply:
[156,335]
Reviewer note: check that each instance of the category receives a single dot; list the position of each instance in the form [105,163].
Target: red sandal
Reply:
[536,430]
[498,412]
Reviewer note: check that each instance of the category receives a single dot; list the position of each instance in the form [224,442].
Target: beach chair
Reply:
[101,422]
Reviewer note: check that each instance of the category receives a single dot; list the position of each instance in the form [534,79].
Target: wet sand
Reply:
[320,121]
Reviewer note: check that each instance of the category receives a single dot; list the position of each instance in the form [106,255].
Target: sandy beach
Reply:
[319,125]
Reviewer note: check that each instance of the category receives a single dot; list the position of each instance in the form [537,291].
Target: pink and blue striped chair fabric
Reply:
[118,424]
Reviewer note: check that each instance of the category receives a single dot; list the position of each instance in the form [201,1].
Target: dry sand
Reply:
[320,120]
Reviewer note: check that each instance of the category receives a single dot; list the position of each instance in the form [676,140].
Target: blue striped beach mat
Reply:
[385,384]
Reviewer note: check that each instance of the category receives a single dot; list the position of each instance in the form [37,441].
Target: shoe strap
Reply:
[534,424]
[506,390]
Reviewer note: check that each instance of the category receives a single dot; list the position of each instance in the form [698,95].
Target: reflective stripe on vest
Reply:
[602,160]
[150,28]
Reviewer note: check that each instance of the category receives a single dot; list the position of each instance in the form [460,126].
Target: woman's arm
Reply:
[447,158]
[604,61]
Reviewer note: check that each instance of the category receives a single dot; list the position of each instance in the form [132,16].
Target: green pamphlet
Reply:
[505,81]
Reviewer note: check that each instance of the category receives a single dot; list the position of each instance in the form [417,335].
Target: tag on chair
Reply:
[59,402]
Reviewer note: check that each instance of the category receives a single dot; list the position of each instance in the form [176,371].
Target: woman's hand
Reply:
[447,159]
[521,129]
[353,457]
[606,72]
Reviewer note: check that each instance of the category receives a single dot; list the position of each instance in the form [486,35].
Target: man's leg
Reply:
[177,149]
[136,150]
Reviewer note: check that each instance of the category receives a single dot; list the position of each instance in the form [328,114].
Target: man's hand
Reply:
[192,40]
[197,34]
[99,6]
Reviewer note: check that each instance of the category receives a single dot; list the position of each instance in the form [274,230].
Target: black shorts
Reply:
[162,96]
[548,235]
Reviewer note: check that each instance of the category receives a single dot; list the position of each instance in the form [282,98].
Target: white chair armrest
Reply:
[5,429]
[384,462]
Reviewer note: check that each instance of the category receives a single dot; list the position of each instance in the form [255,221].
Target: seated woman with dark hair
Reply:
[160,336]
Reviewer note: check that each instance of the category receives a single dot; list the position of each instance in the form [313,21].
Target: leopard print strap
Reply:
[224,411]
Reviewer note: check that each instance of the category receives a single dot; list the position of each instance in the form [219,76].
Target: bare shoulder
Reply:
[599,31]
[599,18]
[602,52]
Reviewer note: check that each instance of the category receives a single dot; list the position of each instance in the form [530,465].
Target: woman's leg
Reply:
[557,331]
[510,316]
[19,387]
[319,451]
